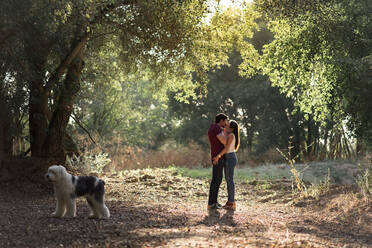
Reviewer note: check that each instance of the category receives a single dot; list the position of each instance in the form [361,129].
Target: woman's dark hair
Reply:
[220,117]
[236,131]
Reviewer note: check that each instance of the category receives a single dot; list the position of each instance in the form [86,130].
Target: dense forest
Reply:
[144,75]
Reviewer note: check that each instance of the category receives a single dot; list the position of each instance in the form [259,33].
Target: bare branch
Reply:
[73,116]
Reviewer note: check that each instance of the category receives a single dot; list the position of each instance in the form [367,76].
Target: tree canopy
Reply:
[118,66]
[320,57]
[54,48]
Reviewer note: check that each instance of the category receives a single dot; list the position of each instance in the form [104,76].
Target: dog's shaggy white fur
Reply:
[67,187]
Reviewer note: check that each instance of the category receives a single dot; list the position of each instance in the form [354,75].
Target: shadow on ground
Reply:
[145,213]
[27,224]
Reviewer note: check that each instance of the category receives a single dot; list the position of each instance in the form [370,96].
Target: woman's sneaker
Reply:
[214,206]
[230,206]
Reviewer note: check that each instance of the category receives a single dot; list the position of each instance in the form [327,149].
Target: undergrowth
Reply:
[88,163]
[298,184]
[364,179]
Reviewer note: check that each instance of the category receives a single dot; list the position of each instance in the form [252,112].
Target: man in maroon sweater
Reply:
[215,132]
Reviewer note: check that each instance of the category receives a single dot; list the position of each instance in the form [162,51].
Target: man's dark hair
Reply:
[220,117]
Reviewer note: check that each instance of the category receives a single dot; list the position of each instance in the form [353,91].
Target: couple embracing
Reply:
[224,139]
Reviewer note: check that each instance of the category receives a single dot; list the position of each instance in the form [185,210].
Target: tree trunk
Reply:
[360,147]
[5,135]
[38,117]
[53,145]
[296,136]
[317,141]
[47,130]
[309,138]
[6,142]
[312,137]
[250,139]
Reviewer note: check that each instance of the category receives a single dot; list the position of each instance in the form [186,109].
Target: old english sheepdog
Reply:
[67,187]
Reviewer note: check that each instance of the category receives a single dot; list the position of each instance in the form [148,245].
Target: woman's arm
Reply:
[222,138]
[228,143]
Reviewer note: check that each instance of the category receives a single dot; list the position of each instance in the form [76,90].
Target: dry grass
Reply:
[128,157]
[190,156]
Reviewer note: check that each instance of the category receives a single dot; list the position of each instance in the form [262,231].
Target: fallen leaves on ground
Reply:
[160,208]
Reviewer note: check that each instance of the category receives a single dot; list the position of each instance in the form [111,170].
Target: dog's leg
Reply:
[71,207]
[60,208]
[105,211]
[94,214]
[100,209]
[100,206]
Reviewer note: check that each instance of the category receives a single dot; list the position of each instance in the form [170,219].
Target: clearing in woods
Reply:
[162,208]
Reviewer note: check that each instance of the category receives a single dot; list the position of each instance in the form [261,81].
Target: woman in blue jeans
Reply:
[231,146]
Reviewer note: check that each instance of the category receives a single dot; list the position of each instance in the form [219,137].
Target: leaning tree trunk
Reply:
[53,145]
[38,117]
[48,129]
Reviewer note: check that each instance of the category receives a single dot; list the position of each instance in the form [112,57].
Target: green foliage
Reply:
[125,109]
[258,107]
[204,173]
[139,53]
[288,9]
[155,35]
[318,57]
[161,42]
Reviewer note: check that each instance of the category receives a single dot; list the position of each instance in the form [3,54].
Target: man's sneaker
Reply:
[214,206]
[230,206]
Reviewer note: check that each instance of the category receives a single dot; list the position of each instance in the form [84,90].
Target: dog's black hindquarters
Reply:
[85,185]
[90,186]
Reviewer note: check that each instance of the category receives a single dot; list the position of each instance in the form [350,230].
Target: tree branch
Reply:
[67,61]
[82,42]
[73,116]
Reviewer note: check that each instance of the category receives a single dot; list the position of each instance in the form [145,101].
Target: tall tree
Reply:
[320,57]
[164,39]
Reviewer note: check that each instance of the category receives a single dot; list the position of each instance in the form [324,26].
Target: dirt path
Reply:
[158,208]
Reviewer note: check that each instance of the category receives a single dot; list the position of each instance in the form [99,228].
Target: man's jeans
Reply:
[216,181]
[230,162]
